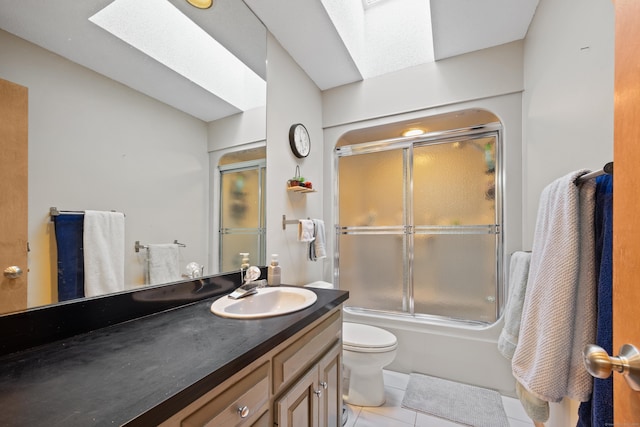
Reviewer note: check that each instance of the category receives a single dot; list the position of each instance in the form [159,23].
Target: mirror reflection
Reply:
[242,207]
[114,132]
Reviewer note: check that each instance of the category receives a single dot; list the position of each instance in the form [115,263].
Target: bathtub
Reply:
[446,349]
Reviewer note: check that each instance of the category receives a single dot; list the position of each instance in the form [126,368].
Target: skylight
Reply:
[393,35]
[161,31]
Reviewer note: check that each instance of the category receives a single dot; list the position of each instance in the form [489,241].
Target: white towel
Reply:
[558,316]
[319,248]
[103,241]
[305,230]
[518,273]
[163,263]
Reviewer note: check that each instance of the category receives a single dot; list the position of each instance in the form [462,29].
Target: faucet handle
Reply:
[251,274]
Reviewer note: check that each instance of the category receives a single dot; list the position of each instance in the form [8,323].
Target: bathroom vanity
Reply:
[182,366]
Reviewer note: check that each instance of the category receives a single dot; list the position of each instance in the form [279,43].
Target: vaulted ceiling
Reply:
[316,33]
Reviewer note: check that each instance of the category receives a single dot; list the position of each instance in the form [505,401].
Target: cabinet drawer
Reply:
[290,362]
[251,391]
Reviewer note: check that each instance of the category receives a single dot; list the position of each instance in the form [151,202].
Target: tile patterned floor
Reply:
[391,414]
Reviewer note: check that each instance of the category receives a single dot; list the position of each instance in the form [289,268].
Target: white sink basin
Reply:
[267,302]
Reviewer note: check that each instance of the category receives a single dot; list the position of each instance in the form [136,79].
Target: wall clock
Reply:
[299,140]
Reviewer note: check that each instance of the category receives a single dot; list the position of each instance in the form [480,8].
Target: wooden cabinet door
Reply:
[330,402]
[13,194]
[298,407]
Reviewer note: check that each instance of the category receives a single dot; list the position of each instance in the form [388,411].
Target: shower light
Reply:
[413,132]
[201,4]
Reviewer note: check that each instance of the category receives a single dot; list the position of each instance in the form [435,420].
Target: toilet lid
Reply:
[358,337]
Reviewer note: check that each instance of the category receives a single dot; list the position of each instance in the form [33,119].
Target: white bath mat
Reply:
[462,403]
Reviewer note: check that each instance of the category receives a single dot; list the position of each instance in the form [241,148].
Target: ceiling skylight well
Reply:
[393,35]
[368,3]
[161,31]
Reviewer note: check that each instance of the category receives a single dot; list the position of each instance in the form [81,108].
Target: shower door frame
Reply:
[408,143]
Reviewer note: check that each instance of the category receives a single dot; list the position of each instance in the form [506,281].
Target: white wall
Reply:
[567,108]
[291,98]
[239,129]
[96,144]
[476,75]
[568,98]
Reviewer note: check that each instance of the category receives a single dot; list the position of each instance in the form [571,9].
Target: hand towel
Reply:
[163,263]
[518,273]
[558,317]
[305,230]
[319,241]
[536,409]
[68,229]
[103,252]
[599,410]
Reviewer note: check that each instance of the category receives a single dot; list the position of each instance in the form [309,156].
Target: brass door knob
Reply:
[601,365]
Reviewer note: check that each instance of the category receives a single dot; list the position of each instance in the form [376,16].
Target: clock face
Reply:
[299,140]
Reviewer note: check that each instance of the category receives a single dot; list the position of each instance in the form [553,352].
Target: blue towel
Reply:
[599,410]
[69,232]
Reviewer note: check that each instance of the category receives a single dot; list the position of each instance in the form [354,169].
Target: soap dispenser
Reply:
[273,273]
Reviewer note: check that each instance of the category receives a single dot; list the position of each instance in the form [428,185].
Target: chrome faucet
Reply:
[249,288]
[250,285]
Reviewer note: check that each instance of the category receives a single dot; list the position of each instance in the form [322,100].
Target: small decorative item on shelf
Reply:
[299,184]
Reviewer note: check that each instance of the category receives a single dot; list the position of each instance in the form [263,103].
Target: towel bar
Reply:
[606,170]
[54,211]
[139,246]
[286,221]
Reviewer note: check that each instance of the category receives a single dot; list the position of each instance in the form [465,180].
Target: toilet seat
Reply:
[367,339]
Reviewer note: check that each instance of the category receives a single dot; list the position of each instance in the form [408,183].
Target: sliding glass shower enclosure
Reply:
[418,225]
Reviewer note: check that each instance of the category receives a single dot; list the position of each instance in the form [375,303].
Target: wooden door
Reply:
[13,194]
[626,201]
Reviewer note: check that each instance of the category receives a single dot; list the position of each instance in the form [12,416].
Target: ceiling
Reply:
[303,28]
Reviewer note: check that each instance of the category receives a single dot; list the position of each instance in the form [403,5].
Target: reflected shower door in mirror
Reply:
[113,130]
[242,208]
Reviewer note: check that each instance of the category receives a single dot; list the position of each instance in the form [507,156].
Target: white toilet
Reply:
[365,351]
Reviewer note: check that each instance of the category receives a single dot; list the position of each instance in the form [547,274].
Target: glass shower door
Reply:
[372,238]
[418,229]
[454,217]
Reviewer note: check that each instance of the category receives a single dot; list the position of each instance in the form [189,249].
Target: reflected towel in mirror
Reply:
[68,229]
[103,242]
[163,263]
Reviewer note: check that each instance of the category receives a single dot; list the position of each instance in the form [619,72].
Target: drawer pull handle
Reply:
[318,392]
[243,411]
[324,385]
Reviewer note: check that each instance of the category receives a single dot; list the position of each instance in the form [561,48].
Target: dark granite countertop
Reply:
[140,372]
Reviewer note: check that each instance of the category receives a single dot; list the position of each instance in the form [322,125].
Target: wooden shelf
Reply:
[298,189]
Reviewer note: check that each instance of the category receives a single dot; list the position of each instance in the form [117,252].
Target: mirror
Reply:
[110,128]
